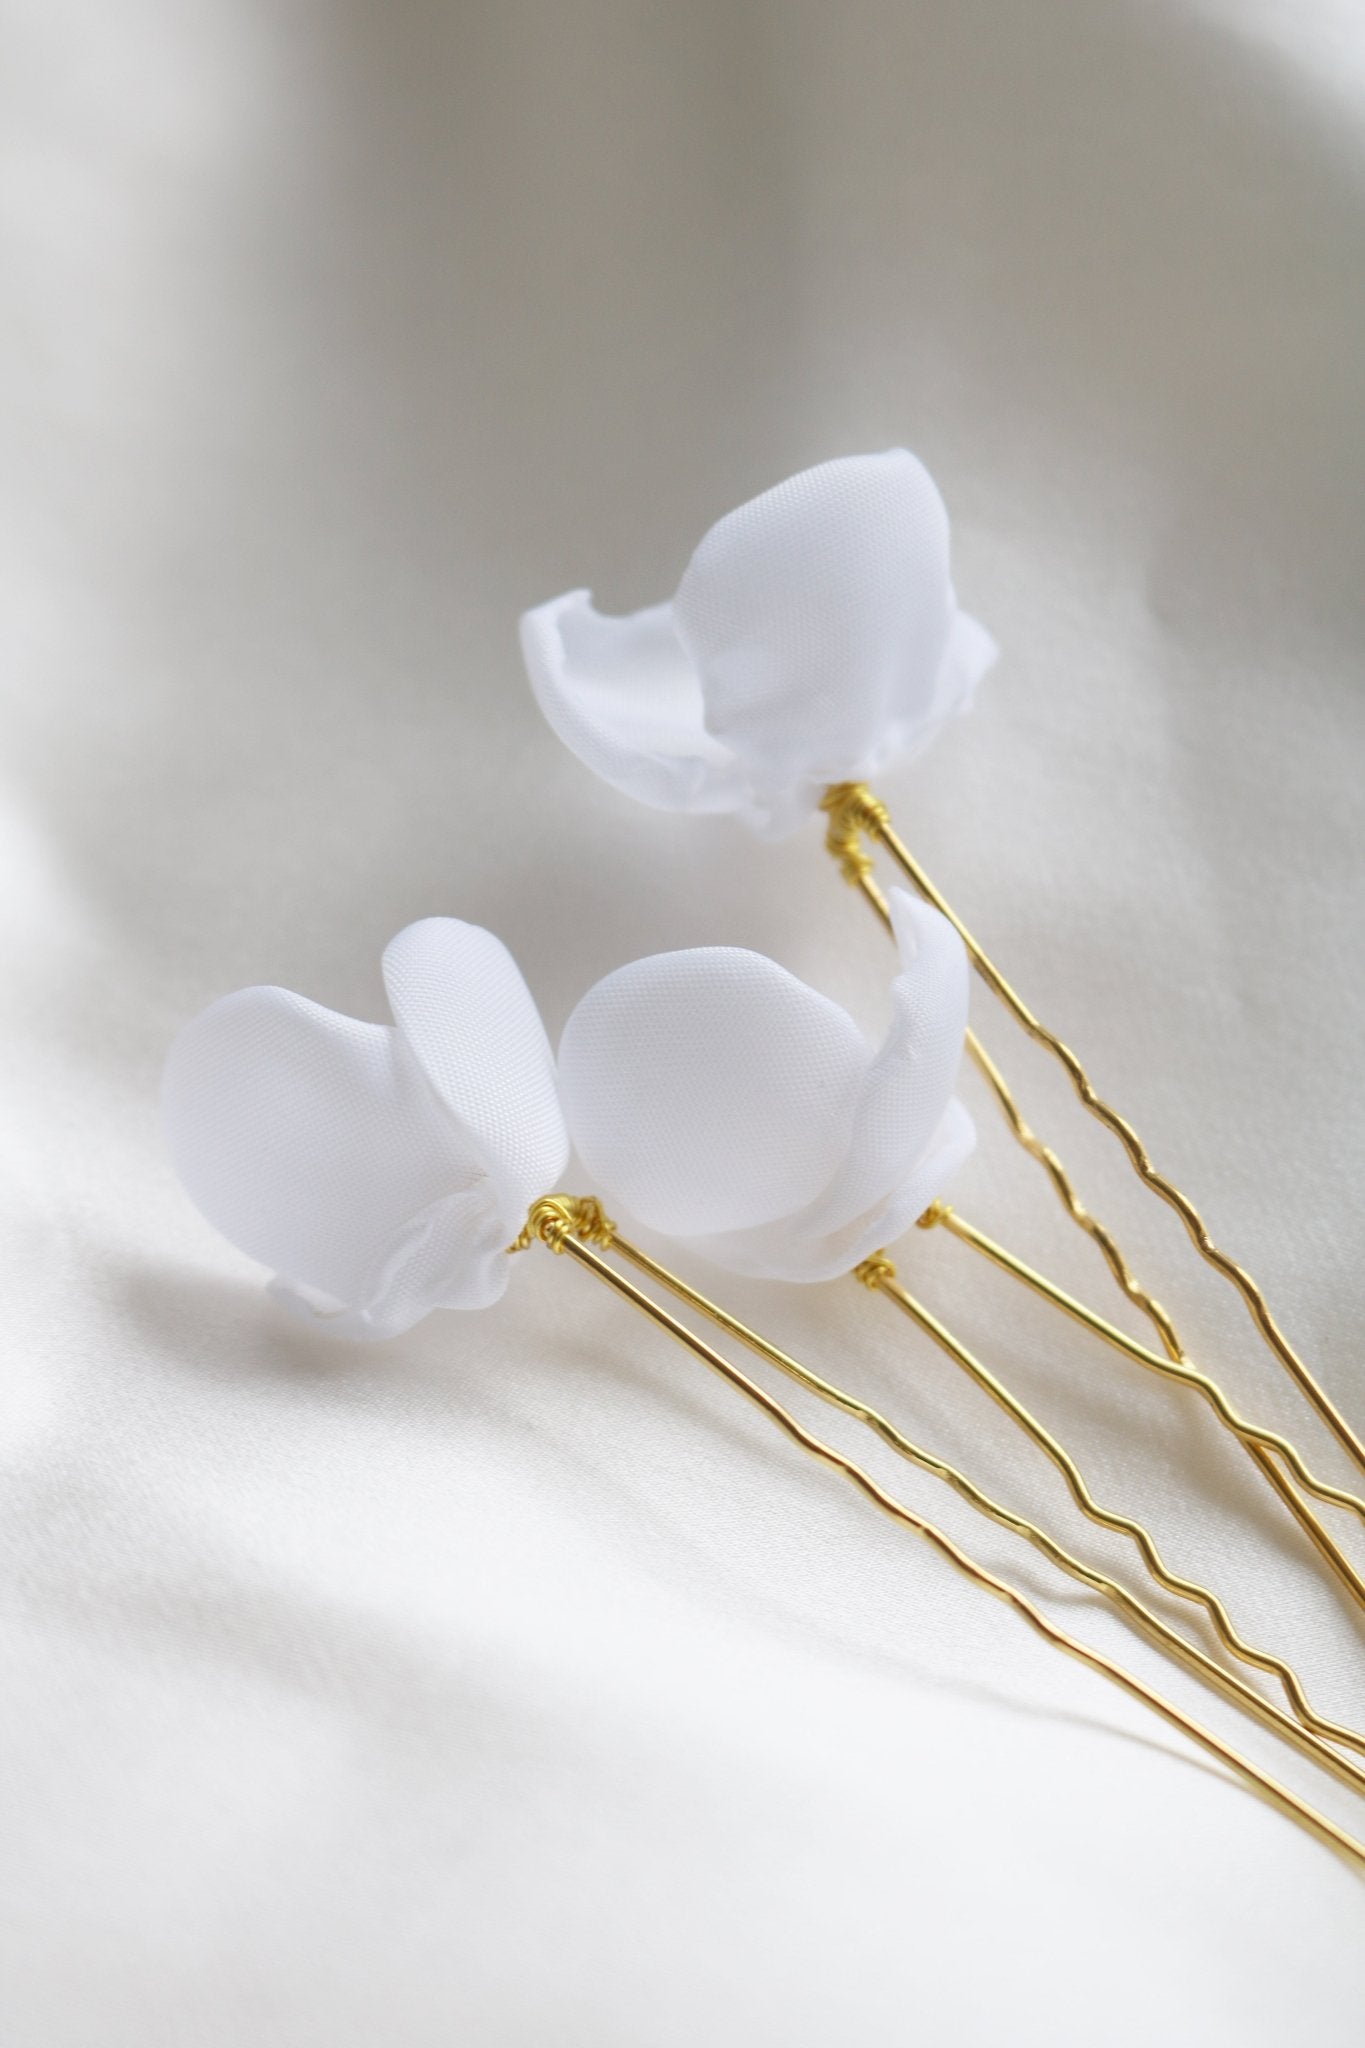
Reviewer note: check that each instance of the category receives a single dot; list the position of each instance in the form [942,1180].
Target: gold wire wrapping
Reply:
[556,1219]
[873,1271]
[853,810]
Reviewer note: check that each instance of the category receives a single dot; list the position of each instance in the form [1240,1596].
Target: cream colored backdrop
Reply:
[509,1684]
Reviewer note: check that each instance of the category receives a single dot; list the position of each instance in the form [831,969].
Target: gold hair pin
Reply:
[384,1170]
[712,1095]
[854,813]
[814,637]
[576,1225]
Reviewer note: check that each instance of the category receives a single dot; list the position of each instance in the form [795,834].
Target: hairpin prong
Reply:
[874,1274]
[555,1228]
[725,1105]
[845,843]
[1120,1271]
[1124,1278]
[559,1218]
[1143,1617]
[1253,1438]
[854,810]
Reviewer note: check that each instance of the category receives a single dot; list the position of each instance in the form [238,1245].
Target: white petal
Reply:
[451,1255]
[314,1143]
[818,616]
[906,1135]
[459,1001]
[709,1090]
[624,697]
[798,1248]
[910,1083]
[815,636]
[970,653]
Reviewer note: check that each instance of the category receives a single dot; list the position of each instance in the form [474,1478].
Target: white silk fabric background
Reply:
[514,1683]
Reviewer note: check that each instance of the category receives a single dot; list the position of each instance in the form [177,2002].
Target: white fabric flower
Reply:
[722,1102]
[381,1169]
[814,637]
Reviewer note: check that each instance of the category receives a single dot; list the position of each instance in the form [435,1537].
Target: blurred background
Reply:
[504,1686]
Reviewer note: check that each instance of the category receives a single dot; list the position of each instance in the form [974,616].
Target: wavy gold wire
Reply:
[1179,1370]
[879,1274]
[845,842]
[854,811]
[1072,1203]
[856,868]
[565,1223]
[1195,1659]
[1333,1556]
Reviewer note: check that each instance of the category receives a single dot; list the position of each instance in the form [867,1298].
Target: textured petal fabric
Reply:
[313,1142]
[623,695]
[459,999]
[910,1083]
[450,1255]
[819,614]
[908,1133]
[969,653]
[719,1100]
[709,1090]
[381,1170]
[806,1247]
[814,636]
